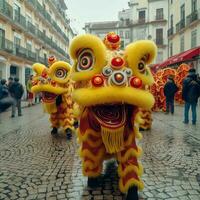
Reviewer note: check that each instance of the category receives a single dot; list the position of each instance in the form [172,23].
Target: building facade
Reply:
[150,21]
[102,28]
[144,19]
[30,31]
[184,27]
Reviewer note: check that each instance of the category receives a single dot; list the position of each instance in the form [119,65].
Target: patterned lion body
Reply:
[110,88]
[56,88]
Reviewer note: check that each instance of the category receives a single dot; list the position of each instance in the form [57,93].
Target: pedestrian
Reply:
[190,94]
[5,100]
[10,82]
[170,90]
[16,91]
[29,93]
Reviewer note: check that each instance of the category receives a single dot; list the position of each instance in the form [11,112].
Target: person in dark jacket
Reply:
[190,94]
[170,89]
[16,91]
[5,100]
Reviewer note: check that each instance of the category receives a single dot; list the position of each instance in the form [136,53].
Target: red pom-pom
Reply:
[117,62]
[136,82]
[97,80]
[113,38]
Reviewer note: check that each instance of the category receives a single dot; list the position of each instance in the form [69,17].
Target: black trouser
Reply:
[170,105]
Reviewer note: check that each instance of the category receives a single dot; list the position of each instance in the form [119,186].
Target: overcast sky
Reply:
[82,11]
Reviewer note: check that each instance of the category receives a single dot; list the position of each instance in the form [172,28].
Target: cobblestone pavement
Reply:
[33,165]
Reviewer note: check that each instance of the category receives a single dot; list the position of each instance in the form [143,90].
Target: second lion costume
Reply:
[56,87]
[109,88]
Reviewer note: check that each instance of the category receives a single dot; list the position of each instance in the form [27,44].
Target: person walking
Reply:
[5,100]
[16,91]
[30,94]
[170,90]
[10,82]
[190,94]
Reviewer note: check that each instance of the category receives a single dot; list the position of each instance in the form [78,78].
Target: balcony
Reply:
[47,17]
[6,9]
[42,60]
[180,25]
[170,31]
[20,19]
[192,17]
[31,28]
[141,20]
[31,55]
[6,45]
[159,17]
[159,41]
[19,51]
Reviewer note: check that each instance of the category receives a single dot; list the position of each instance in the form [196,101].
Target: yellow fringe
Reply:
[130,183]
[91,173]
[113,139]
[84,136]
[90,155]
[89,164]
[131,152]
[138,170]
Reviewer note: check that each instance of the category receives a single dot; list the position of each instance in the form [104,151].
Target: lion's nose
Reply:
[118,78]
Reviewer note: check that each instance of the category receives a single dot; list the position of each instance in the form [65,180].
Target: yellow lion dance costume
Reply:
[109,88]
[56,88]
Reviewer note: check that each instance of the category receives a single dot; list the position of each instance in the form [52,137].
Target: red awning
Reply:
[181,57]
[189,54]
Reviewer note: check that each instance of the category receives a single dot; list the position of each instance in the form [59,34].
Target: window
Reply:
[16,11]
[182,43]
[29,45]
[183,12]
[28,18]
[141,16]
[171,21]
[127,34]
[193,38]
[182,22]
[159,13]
[17,41]
[159,36]
[171,49]
[194,5]
[2,38]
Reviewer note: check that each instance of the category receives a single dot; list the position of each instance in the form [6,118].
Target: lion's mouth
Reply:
[110,116]
[48,97]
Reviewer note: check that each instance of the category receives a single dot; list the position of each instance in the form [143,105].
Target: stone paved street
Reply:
[34,165]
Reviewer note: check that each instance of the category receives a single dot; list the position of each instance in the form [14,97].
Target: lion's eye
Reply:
[141,66]
[85,60]
[61,73]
